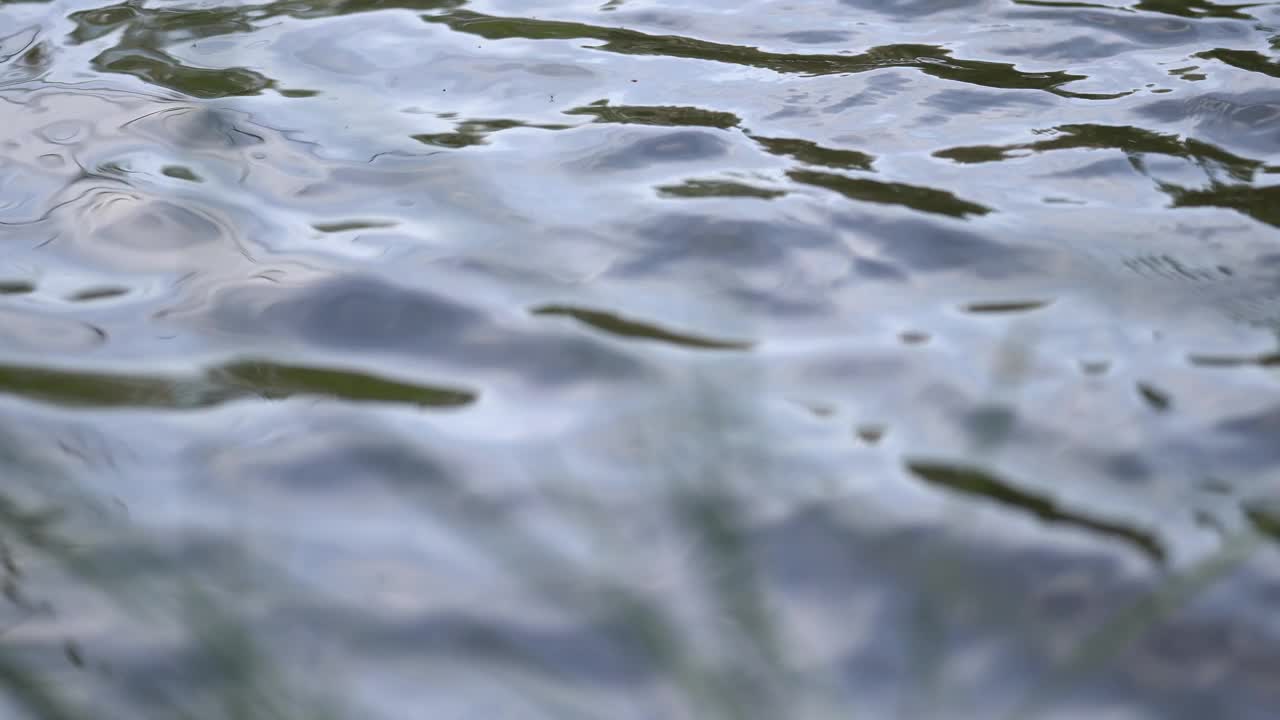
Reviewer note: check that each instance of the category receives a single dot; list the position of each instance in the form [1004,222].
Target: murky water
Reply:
[640,359]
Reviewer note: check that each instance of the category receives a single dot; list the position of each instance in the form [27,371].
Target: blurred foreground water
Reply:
[582,359]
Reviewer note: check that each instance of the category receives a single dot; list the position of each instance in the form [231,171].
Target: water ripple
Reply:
[638,358]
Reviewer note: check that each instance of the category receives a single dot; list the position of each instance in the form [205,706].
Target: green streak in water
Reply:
[939,202]
[618,325]
[930,59]
[717,188]
[972,481]
[238,380]
[666,115]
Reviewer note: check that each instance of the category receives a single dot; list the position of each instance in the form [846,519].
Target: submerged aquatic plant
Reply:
[689,590]
[59,544]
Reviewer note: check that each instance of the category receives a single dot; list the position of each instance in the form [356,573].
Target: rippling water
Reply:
[640,359]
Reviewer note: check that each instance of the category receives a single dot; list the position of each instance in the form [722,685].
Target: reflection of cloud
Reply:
[368,315]
[1246,121]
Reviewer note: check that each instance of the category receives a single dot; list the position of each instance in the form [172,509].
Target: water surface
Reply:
[640,359]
